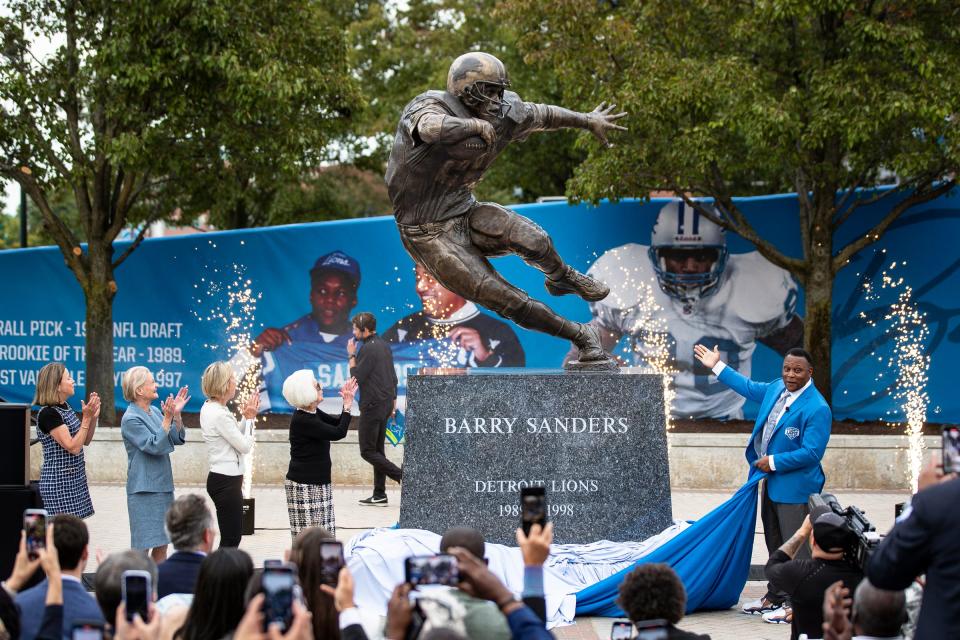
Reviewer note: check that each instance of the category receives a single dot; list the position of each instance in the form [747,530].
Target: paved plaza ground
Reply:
[109,531]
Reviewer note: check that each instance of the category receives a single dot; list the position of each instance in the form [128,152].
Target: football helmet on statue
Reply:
[479,80]
[688,252]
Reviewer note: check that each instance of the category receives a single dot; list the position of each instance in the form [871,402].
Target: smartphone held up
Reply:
[35,526]
[137,592]
[533,508]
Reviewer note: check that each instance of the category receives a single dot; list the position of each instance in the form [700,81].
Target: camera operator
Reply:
[806,580]
[926,540]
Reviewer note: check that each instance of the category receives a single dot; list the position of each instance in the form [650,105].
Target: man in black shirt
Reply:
[475,339]
[806,580]
[372,366]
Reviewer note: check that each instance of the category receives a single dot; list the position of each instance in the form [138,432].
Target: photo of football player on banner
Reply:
[687,282]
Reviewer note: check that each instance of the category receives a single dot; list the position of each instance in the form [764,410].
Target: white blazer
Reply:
[227,441]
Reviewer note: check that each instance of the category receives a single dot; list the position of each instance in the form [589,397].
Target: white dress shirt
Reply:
[791,398]
[227,441]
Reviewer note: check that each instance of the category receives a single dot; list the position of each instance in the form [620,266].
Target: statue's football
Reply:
[468,148]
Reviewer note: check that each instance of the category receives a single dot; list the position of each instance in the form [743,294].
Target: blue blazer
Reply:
[798,440]
[148,450]
[77,605]
[178,573]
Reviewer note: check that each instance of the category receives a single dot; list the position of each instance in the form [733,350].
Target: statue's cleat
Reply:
[588,342]
[583,285]
[592,355]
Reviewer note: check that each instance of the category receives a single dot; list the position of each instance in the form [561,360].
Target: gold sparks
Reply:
[650,339]
[233,306]
[907,326]
[910,360]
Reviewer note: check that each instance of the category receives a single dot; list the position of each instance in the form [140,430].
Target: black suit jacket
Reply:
[178,573]
[926,541]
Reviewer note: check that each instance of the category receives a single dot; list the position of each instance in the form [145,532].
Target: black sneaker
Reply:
[374,501]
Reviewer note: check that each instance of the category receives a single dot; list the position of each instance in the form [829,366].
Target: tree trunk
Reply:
[100,292]
[817,323]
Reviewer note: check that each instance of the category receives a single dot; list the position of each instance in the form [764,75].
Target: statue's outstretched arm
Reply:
[442,128]
[599,122]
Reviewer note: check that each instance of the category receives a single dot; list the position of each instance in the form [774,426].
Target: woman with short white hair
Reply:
[308,483]
[149,436]
[227,443]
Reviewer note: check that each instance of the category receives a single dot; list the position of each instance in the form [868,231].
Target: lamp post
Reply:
[23,217]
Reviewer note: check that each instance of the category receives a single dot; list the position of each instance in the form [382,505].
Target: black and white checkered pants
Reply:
[309,505]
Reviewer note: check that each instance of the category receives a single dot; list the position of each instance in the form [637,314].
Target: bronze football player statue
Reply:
[445,143]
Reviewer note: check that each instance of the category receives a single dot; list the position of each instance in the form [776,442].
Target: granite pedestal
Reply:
[595,440]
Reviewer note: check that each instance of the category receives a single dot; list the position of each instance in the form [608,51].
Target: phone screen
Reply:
[652,630]
[533,507]
[277,585]
[621,630]
[87,632]
[951,449]
[35,526]
[136,594]
[440,569]
[331,561]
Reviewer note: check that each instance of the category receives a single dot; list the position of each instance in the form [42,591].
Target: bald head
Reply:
[878,612]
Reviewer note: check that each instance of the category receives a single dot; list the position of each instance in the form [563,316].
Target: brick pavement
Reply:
[109,531]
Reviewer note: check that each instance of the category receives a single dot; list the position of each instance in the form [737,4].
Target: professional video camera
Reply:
[863,535]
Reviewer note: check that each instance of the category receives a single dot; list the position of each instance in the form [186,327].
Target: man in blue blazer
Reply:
[190,525]
[787,443]
[70,537]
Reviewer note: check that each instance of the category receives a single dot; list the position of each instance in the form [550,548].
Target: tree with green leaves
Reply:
[824,98]
[145,107]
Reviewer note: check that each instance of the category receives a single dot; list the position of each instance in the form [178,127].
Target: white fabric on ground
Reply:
[376,560]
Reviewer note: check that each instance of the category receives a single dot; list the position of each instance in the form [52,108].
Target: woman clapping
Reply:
[308,488]
[149,435]
[63,474]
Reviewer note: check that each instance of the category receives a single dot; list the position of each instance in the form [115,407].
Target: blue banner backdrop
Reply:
[184,301]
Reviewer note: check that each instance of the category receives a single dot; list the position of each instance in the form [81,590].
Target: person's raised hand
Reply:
[343,594]
[49,558]
[478,579]
[932,473]
[352,347]
[23,566]
[836,612]
[91,408]
[180,400]
[602,120]
[251,624]
[300,629]
[251,406]
[469,339]
[348,391]
[166,407]
[399,612]
[708,358]
[535,547]
[268,340]
[139,629]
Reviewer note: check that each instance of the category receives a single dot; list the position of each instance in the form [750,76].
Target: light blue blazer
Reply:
[148,450]
[798,440]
